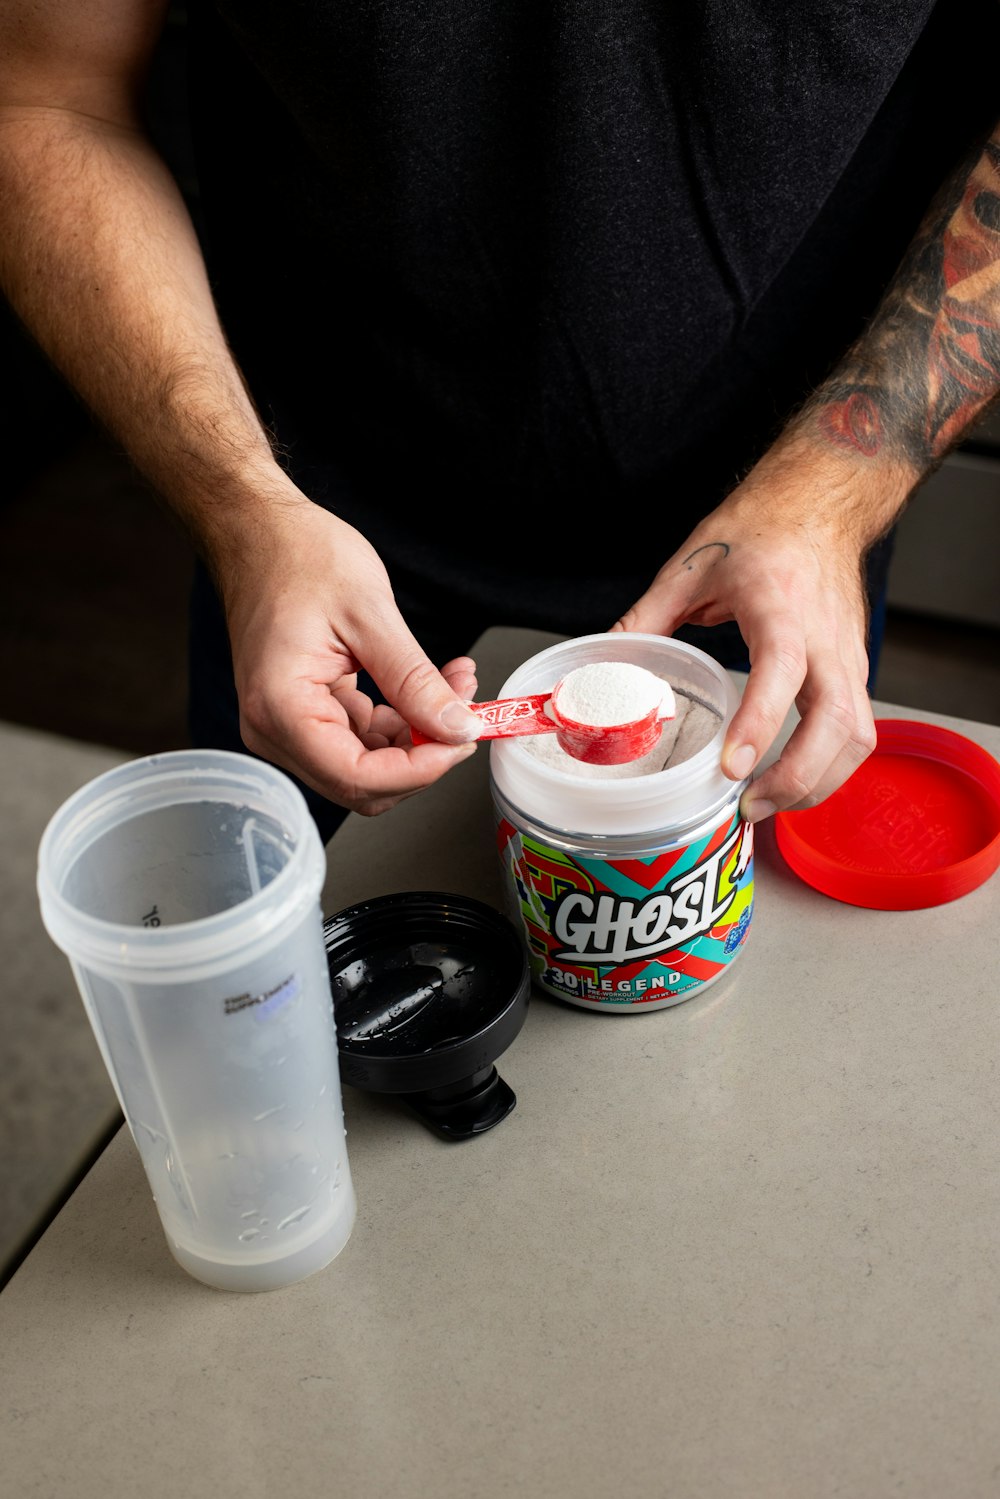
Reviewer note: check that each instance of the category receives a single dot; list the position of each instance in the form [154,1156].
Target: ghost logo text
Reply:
[608,928]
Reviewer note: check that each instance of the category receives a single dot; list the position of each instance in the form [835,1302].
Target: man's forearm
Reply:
[100,261]
[929,363]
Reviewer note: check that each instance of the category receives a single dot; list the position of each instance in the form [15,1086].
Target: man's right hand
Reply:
[308,604]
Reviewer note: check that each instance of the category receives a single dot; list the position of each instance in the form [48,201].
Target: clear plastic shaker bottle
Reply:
[184,888]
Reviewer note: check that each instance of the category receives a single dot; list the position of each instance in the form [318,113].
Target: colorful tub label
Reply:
[631,931]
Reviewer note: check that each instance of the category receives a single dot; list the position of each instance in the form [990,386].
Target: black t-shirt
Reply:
[560,266]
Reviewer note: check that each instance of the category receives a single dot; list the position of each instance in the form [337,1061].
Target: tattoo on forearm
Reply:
[929,363]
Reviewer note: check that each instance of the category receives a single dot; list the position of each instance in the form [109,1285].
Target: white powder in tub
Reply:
[699,725]
[606,693]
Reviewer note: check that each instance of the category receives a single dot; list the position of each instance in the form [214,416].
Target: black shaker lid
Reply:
[429,988]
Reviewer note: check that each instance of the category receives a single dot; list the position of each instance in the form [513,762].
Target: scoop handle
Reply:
[504,717]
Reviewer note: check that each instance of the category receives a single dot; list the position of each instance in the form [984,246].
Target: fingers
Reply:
[460,675]
[775,680]
[806,773]
[683,590]
[380,724]
[367,774]
[836,731]
[800,611]
[305,612]
[358,707]
[335,740]
[807,656]
[422,695]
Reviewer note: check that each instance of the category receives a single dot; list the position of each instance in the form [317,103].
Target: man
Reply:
[529,313]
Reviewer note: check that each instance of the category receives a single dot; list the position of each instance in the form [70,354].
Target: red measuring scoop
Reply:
[595,744]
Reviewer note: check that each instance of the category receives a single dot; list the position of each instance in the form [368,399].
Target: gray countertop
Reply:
[747,1246]
[57,1105]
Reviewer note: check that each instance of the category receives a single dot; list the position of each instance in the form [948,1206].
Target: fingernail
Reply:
[458,720]
[741,762]
[757,809]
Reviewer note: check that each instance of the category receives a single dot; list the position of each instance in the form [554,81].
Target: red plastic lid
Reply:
[917,824]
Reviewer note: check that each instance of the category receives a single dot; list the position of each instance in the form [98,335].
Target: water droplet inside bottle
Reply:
[266,1113]
[295,1217]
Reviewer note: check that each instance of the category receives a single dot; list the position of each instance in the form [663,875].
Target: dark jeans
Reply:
[444,633]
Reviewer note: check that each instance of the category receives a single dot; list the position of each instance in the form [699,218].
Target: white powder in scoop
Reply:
[605,693]
[681,737]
